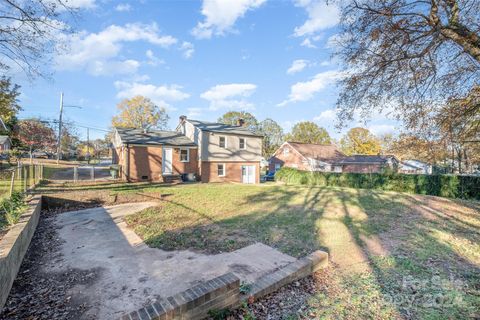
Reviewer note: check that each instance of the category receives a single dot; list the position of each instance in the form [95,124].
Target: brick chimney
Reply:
[241,122]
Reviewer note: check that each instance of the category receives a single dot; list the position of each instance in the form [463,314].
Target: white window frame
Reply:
[224,137]
[286,151]
[188,154]
[244,143]
[224,169]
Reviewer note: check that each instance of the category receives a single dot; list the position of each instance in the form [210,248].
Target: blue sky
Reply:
[271,58]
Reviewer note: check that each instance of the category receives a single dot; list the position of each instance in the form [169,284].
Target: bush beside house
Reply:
[450,186]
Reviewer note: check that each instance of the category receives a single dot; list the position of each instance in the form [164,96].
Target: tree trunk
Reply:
[466,39]
[31,155]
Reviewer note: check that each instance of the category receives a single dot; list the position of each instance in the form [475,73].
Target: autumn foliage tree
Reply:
[29,33]
[410,56]
[35,135]
[232,117]
[308,132]
[360,141]
[272,136]
[141,113]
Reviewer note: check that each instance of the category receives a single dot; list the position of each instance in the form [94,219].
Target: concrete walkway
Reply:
[130,273]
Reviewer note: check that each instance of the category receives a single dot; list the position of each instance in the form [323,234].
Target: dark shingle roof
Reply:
[323,152]
[222,128]
[4,139]
[154,137]
[367,159]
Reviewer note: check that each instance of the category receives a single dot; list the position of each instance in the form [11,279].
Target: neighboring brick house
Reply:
[5,143]
[327,158]
[153,155]
[225,152]
[305,156]
[213,152]
[368,163]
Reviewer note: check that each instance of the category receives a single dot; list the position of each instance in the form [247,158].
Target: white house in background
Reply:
[415,167]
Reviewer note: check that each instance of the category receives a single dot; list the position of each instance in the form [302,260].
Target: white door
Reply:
[248,174]
[167,161]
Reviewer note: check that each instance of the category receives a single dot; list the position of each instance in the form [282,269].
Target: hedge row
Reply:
[450,186]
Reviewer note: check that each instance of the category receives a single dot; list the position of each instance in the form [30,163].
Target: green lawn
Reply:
[393,255]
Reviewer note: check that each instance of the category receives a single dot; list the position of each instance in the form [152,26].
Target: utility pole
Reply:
[88,145]
[60,129]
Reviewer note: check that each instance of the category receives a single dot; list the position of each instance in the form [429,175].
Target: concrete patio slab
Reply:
[130,273]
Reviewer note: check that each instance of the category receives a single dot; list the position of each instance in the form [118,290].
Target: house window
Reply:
[277,166]
[221,169]
[286,151]
[184,155]
[242,143]
[222,141]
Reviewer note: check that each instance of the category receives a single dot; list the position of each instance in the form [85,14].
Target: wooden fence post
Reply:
[12,183]
[24,178]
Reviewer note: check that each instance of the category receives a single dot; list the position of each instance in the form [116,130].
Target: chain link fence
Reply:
[76,173]
[20,178]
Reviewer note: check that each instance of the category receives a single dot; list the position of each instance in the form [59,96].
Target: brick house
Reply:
[141,155]
[226,153]
[327,158]
[205,151]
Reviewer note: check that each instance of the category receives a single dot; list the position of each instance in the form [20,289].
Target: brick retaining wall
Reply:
[14,245]
[216,294]
[224,292]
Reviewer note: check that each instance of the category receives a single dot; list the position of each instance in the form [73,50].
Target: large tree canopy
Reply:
[232,118]
[272,136]
[29,33]
[308,132]
[141,113]
[360,141]
[411,56]
[9,106]
[36,135]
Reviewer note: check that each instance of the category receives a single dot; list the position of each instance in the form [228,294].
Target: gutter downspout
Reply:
[127,163]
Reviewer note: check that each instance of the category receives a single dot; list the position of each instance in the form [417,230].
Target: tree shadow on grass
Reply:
[418,256]
[291,220]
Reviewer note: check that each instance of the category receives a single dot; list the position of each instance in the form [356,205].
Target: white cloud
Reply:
[380,129]
[297,66]
[152,59]
[308,43]
[303,91]
[188,49]
[86,50]
[221,15]
[161,95]
[123,7]
[321,16]
[232,96]
[98,68]
[326,115]
[75,4]
[194,112]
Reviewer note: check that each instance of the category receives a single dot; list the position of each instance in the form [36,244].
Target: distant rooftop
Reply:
[154,137]
[325,152]
[368,159]
[4,139]
[222,128]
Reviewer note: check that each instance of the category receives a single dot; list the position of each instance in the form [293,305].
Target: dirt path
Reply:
[40,294]
[88,264]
